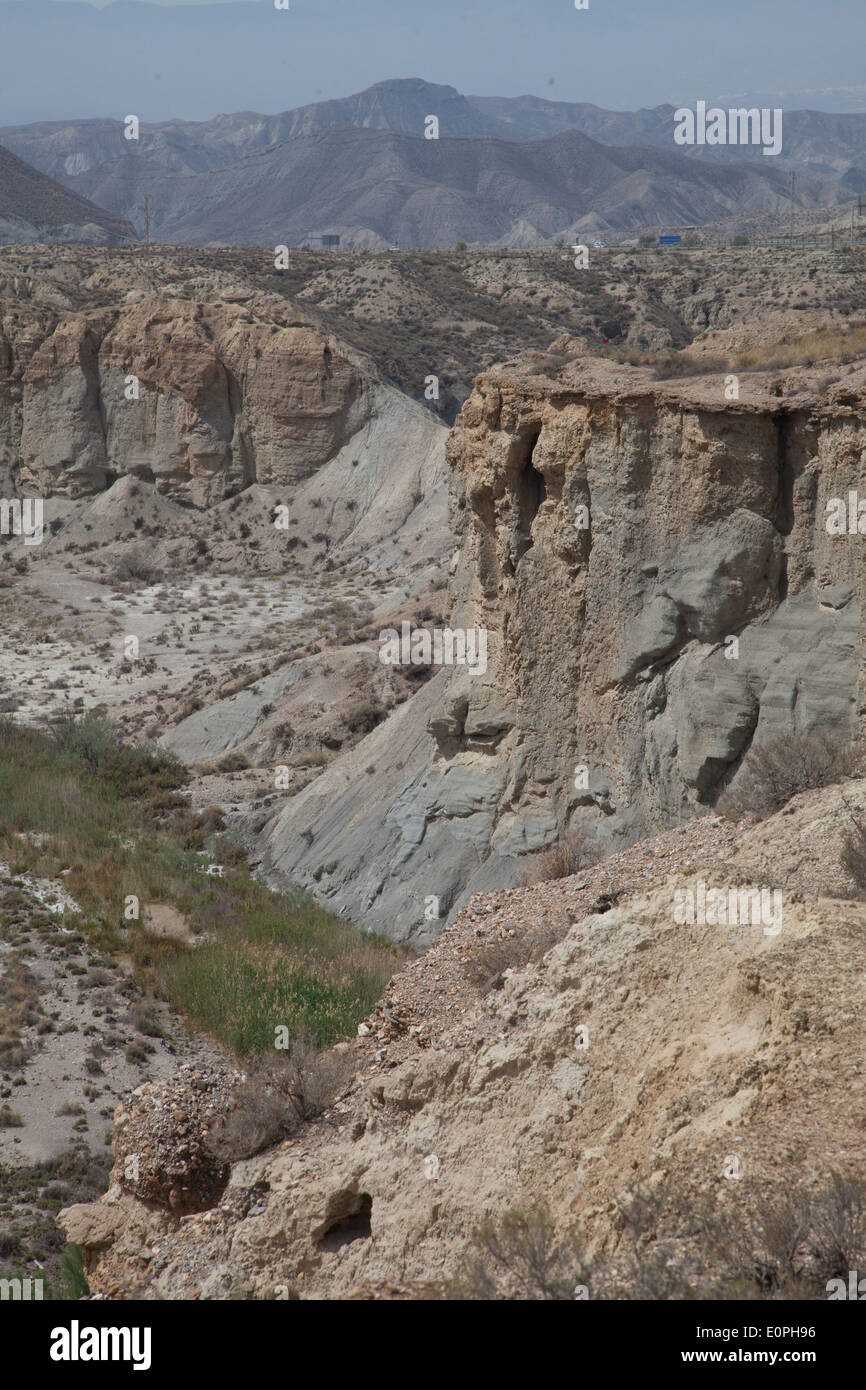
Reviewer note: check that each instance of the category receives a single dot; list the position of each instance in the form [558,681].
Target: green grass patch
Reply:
[109,818]
[241,993]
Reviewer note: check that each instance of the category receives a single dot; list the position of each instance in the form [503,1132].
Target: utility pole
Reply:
[793,178]
[145,208]
[54,210]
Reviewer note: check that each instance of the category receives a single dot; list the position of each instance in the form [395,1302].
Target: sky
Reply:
[196,58]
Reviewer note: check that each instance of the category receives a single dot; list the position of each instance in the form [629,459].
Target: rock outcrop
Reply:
[659,584]
[222,402]
[641,1052]
[202,385]
[662,595]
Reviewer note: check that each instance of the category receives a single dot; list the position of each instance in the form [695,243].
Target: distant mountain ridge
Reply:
[382,186]
[816,142]
[34,208]
[505,171]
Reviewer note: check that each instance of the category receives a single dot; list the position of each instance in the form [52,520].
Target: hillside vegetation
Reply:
[109,820]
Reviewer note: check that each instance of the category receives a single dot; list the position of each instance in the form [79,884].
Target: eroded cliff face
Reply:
[661,593]
[226,397]
[194,377]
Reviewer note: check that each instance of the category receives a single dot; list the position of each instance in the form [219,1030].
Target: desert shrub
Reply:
[763,1251]
[676,364]
[138,771]
[823,343]
[277,1098]
[315,759]
[568,856]
[232,854]
[73,1280]
[776,771]
[363,717]
[138,567]
[233,762]
[549,364]
[418,675]
[19,1009]
[211,820]
[519,1256]
[314,1079]
[853,855]
[88,737]
[678,1245]
[488,963]
[133,770]
[144,1020]
[791,1244]
[837,1229]
[32,1238]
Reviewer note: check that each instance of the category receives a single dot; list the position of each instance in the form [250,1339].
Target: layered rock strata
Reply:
[663,591]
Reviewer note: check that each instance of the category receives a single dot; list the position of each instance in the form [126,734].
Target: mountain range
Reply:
[504,171]
[35,208]
[815,142]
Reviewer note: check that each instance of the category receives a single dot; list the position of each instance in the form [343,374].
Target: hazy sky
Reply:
[195,58]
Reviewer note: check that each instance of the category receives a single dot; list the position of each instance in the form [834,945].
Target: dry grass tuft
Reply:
[568,856]
[783,768]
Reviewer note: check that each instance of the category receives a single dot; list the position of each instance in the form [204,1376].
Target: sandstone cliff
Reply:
[616,536]
[662,595]
[193,380]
